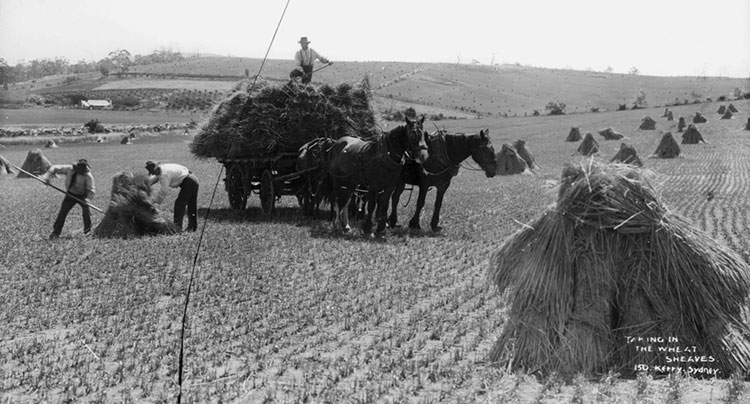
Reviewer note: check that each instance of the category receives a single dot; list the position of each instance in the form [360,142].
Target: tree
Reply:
[6,72]
[555,107]
[634,71]
[121,59]
[609,69]
[640,100]
[104,68]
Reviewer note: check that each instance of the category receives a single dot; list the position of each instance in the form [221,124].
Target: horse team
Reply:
[381,167]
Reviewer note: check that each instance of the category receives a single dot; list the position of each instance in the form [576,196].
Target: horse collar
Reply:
[442,157]
[386,153]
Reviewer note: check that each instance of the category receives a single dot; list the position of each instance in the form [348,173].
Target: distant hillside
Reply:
[451,89]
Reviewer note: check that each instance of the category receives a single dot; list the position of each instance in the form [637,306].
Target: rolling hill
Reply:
[455,90]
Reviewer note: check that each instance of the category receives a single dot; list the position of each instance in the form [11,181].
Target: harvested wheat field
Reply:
[284,309]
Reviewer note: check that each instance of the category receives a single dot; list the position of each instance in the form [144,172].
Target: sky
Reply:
[657,37]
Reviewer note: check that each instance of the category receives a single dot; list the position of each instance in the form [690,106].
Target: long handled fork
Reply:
[58,189]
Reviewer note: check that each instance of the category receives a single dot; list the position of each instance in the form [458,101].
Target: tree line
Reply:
[116,61]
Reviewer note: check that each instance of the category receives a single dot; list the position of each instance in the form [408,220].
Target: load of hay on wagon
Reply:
[610,262]
[265,119]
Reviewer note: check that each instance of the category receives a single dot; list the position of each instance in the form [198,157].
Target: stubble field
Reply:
[286,310]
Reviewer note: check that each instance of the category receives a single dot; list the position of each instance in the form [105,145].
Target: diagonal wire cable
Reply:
[205,223]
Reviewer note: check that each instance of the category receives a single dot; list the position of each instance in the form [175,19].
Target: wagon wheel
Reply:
[267,193]
[235,187]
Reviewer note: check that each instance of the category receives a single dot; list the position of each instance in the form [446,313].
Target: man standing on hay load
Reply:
[176,176]
[304,59]
[79,184]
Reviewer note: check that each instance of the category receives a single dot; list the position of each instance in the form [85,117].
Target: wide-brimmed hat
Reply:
[303,39]
[82,165]
[150,165]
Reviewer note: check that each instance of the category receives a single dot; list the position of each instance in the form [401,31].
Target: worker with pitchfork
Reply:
[304,60]
[79,185]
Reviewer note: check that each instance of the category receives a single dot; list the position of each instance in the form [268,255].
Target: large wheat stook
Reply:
[608,262]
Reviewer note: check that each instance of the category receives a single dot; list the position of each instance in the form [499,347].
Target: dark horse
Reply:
[312,160]
[447,152]
[375,164]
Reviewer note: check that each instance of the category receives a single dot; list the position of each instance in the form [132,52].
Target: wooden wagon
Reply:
[270,177]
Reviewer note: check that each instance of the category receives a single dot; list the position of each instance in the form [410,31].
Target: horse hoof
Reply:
[436,229]
[415,226]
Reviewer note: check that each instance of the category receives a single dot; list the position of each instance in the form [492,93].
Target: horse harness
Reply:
[441,157]
[382,153]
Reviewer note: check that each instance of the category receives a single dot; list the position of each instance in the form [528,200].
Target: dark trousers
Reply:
[305,73]
[188,197]
[67,205]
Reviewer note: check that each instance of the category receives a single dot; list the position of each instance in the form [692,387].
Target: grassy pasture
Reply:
[137,83]
[285,310]
[56,117]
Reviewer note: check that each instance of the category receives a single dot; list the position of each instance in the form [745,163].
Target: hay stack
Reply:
[692,136]
[509,162]
[699,118]
[574,135]
[610,134]
[722,109]
[627,155]
[267,119]
[611,261]
[131,213]
[667,148]
[647,123]
[727,114]
[747,125]
[50,144]
[589,145]
[670,116]
[35,163]
[5,166]
[732,108]
[125,140]
[681,124]
[520,146]
[666,113]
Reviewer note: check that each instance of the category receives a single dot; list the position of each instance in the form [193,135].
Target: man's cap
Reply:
[303,39]
[83,162]
[150,164]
